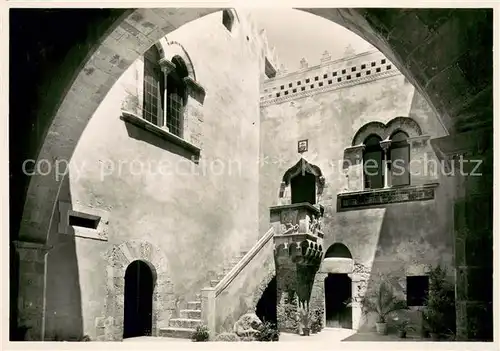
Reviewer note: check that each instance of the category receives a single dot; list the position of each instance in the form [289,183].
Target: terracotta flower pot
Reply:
[306,331]
[402,334]
[381,328]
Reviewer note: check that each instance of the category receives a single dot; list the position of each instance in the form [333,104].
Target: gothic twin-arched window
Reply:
[386,162]
[164,94]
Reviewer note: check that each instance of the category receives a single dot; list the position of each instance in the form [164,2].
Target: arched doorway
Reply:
[138,301]
[338,291]
[338,286]
[266,307]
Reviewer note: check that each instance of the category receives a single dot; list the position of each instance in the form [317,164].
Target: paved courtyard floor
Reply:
[330,335]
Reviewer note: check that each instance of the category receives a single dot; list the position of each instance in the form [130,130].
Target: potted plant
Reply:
[382,301]
[439,313]
[316,321]
[403,327]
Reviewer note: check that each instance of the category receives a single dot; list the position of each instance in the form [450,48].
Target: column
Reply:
[297,256]
[31,293]
[471,155]
[385,144]
[166,67]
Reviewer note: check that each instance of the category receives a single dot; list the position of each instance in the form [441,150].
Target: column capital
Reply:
[385,144]
[166,65]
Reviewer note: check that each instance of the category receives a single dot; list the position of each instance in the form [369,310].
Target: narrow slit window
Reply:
[83,220]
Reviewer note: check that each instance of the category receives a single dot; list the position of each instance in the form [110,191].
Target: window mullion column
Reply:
[167,66]
[385,144]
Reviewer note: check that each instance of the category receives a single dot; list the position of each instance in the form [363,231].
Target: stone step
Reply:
[185,323]
[191,314]
[194,305]
[182,333]
[213,283]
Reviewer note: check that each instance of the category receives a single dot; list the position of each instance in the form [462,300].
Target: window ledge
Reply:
[160,132]
[375,198]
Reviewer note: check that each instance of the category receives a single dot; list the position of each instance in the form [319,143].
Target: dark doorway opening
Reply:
[303,188]
[338,291]
[138,304]
[266,307]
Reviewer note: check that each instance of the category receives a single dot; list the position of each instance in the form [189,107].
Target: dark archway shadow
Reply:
[138,301]
[266,307]
[63,316]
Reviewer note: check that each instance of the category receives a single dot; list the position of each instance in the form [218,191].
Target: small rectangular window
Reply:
[278,94]
[303,88]
[378,69]
[286,92]
[316,78]
[382,61]
[325,75]
[339,79]
[358,75]
[298,82]
[308,80]
[282,87]
[83,220]
[294,90]
[320,84]
[368,72]
[388,67]
[290,85]
[329,81]
[373,64]
[417,288]
[363,66]
[334,74]
[344,71]
[312,86]
[349,77]
[353,69]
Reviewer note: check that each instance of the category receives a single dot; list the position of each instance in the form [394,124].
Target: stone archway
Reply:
[336,269]
[393,33]
[138,299]
[119,257]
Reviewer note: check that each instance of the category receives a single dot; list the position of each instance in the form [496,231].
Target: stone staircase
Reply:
[190,318]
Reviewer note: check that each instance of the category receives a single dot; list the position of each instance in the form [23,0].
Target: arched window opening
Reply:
[303,187]
[176,97]
[373,157]
[399,156]
[154,87]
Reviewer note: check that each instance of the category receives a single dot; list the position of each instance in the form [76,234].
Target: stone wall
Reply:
[393,238]
[195,215]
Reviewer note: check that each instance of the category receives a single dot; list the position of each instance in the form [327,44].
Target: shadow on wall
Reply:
[63,317]
[266,308]
[410,234]
[150,138]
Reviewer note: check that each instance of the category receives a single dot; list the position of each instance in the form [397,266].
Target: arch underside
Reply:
[122,45]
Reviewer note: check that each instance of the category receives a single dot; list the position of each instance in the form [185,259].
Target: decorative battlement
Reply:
[269,56]
[328,75]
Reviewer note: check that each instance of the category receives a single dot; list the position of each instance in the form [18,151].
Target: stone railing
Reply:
[210,295]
